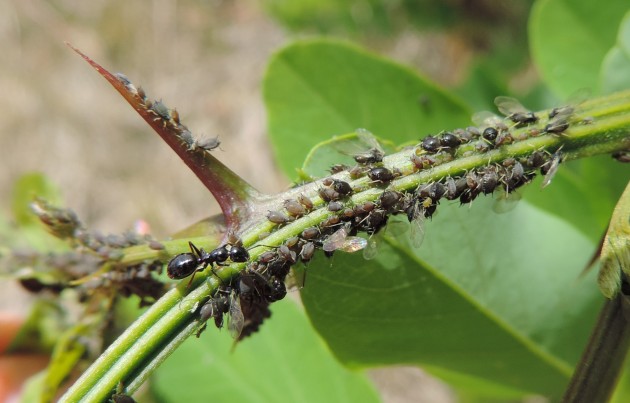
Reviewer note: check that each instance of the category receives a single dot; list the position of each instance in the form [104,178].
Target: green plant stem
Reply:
[599,368]
[171,319]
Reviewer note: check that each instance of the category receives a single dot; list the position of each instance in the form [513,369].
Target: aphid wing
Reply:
[485,118]
[553,169]
[547,180]
[579,96]
[572,104]
[368,138]
[509,105]
[396,227]
[335,241]
[350,146]
[562,113]
[236,319]
[353,244]
[506,202]
[372,247]
[417,232]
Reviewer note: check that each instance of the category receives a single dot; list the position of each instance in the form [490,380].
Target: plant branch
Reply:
[168,322]
[234,195]
[598,371]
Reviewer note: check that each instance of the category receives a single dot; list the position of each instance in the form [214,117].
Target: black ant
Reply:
[186,264]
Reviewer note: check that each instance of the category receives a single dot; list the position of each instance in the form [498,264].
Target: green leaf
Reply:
[615,248]
[30,232]
[316,89]
[569,39]
[285,362]
[69,348]
[483,84]
[491,303]
[33,388]
[615,72]
[366,18]
[42,328]
[67,353]
[330,152]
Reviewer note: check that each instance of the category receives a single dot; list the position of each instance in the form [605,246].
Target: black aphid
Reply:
[267,257]
[449,140]
[428,207]
[335,206]
[294,208]
[278,217]
[430,144]
[461,185]
[505,137]
[490,134]
[341,187]
[436,191]
[467,197]
[307,252]
[515,177]
[310,233]
[328,194]
[364,208]
[489,180]
[556,127]
[338,168]
[331,221]
[523,118]
[371,156]
[381,174]
[306,202]
[216,307]
[389,200]
[375,221]
[537,159]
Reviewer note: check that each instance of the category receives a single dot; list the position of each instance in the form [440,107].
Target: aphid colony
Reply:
[169,118]
[492,132]
[247,296]
[80,270]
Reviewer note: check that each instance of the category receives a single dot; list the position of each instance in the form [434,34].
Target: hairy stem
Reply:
[168,322]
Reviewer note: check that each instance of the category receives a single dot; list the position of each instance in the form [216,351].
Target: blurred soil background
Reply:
[207,59]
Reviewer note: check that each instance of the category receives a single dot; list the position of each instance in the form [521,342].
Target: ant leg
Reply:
[194,249]
[195,272]
[215,273]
